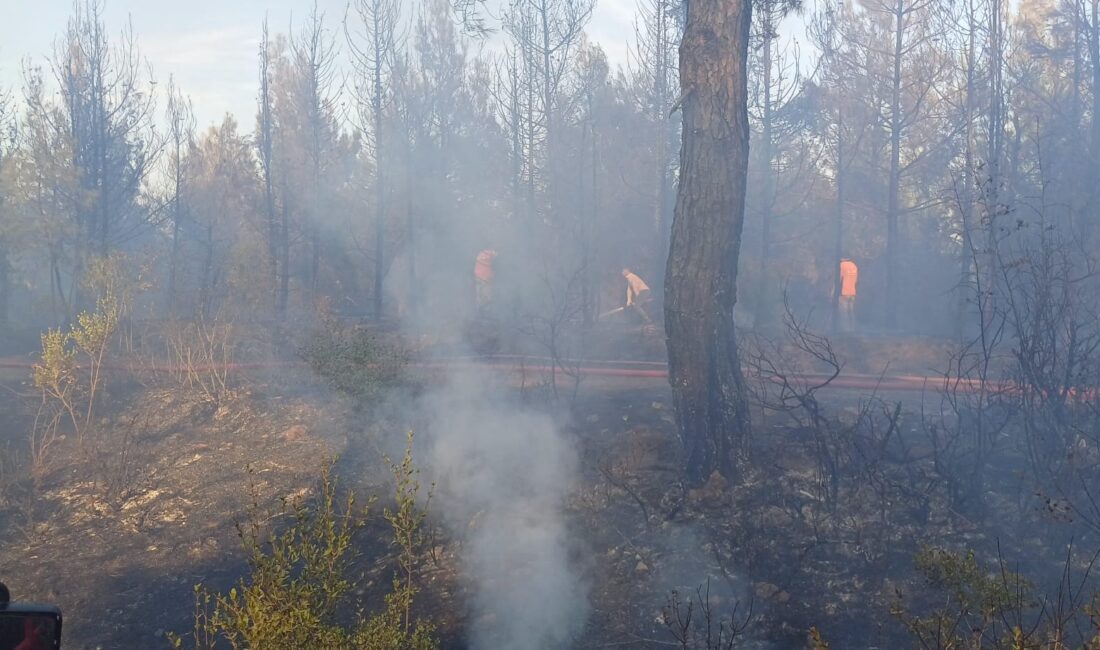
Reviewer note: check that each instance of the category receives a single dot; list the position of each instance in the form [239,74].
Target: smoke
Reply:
[503,476]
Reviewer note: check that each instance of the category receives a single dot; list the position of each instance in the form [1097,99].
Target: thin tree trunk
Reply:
[548,114]
[5,286]
[531,209]
[995,154]
[315,261]
[892,290]
[700,282]
[591,293]
[660,122]
[173,262]
[284,245]
[411,240]
[272,241]
[838,237]
[966,255]
[206,294]
[582,212]
[267,161]
[379,186]
[763,287]
[1094,141]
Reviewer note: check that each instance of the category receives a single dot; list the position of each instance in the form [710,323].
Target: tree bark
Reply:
[1094,140]
[767,137]
[700,281]
[838,232]
[267,157]
[5,286]
[966,257]
[661,103]
[894,191]
[377,91]
[284,255]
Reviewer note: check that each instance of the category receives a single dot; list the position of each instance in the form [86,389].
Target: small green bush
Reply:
[991,608]
[354,361]
[296,594]
[982,608]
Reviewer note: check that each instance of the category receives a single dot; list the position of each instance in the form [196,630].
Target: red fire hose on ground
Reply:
[572,368]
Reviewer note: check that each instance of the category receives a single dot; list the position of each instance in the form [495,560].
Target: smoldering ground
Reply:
[503,475]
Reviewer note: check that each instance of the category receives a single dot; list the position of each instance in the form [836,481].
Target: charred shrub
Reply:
[695,624]
[354,361]
[200,358]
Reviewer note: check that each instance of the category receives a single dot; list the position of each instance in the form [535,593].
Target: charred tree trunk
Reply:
[661,101]
[992,185]
[284,255]
[181,131]
[267,157]
[700,281]
[838,233]
[377,90]
[170,297]
[5,286]
[763,286]
[412,295]
[966,257]
[1094,140]
[894,191]
[206,291]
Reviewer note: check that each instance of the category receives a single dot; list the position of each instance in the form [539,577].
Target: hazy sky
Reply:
[210,46]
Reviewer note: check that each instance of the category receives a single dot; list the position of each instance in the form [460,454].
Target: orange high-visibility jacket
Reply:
[483,267]
[634,287]
[849,276]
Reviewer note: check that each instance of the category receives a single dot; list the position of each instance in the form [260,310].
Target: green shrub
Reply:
[982,608]
[296,594]
[354,361]
[69,378]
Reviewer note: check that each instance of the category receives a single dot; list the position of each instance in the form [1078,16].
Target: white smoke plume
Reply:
[503,475]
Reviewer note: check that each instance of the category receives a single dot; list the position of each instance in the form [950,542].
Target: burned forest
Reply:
[550,324]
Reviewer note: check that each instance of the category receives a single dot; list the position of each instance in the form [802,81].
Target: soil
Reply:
[119,540]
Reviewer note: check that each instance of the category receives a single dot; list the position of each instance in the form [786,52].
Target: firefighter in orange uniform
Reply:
[483,276]
[849,277]
[638,295]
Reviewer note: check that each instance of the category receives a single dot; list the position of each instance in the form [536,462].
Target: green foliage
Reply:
[69,390]
[296,578]
[407,522]
[296,593]
[92,331]
[55,377]
[55,373]
[1093,612]
[972,587]
[354,361]
[983,607]
[112,278]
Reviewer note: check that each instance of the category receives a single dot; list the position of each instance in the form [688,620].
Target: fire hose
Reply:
[613,368]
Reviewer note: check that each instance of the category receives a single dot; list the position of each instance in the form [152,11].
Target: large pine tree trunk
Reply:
[700,282]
